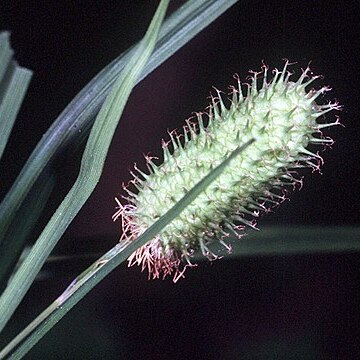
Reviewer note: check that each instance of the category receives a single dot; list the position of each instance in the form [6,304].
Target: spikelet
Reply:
[281,116]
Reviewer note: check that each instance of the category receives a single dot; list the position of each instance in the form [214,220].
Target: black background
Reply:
[295,307]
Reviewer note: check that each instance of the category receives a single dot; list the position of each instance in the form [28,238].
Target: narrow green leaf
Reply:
[14,82]
[30,211]
[19,346]
[6,53]
[292,240]
[90,171]
[74,122]
[269,241]
[180,28]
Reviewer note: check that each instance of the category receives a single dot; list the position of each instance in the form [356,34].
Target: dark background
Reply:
[298,307]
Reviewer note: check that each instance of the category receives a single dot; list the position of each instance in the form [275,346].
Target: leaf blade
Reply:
[14,82]
[90,171]
[180,28]
[74,122]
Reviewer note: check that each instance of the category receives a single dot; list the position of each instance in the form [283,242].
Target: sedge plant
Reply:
[220,173]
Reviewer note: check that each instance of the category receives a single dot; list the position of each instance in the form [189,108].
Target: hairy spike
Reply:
[281,115]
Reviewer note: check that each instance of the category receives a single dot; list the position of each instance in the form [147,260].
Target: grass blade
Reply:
[14,82]
[180,28]
[102,267]
[90,171]
[292,240]
[30,211]
[6,53]
[271,240]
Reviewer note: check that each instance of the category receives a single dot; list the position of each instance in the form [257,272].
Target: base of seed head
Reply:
[281,116]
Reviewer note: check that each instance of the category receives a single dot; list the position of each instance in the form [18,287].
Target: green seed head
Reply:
[280,115]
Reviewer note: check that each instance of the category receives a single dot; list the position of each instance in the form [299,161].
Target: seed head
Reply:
[282,117]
